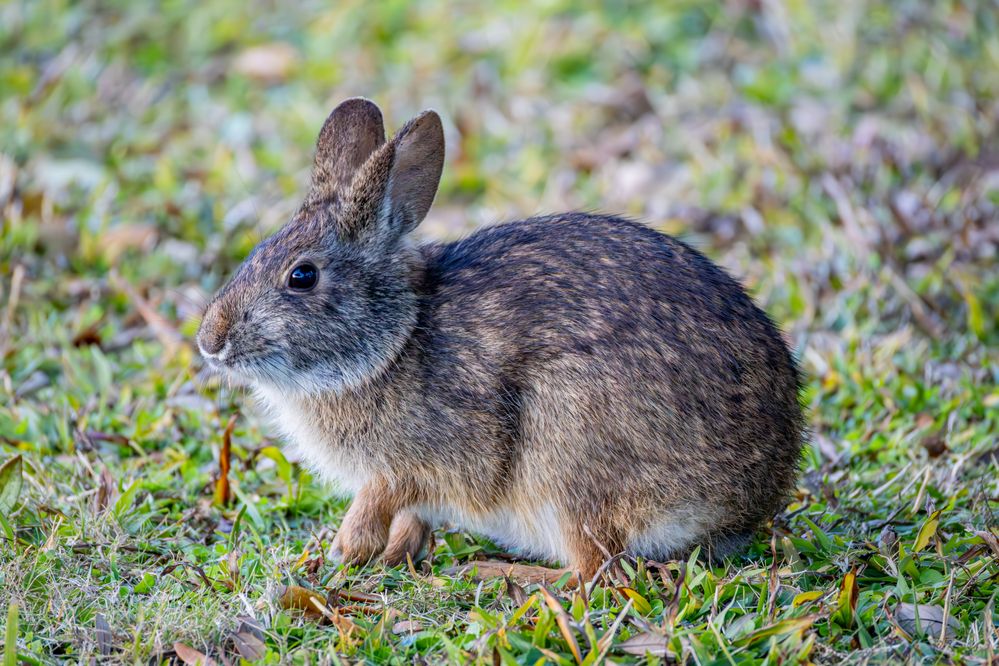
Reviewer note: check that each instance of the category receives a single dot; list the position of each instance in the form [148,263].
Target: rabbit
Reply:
[570,386]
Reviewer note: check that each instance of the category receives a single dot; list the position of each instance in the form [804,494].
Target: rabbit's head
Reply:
[328,301]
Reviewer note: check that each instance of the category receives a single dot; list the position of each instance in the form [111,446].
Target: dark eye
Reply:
[303,277]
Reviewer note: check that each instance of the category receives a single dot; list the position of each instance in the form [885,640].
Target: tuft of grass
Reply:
[840,157]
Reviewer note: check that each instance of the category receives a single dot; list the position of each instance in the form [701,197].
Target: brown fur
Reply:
[572,386]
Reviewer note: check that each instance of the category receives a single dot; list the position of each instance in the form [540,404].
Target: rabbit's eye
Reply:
[303,277]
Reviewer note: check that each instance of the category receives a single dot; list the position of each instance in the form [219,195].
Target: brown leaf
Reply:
[887,540]
[192,657]
[249,646]
[313,604]
[646,643]
[113,437]
[935,445]
[924,420]
[406,627]
[522,573]
[930,621]
[990,540]
[88,336]
[267,63]
[223,494]
[515,592]
[106,491]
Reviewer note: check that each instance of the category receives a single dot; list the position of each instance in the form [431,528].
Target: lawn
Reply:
[841,158]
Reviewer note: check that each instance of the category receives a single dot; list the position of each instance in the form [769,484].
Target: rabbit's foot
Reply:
[364,532]
[407,536]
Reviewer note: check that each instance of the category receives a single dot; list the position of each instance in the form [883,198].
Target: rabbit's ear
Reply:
[416,171]
[393,191]
[351,133]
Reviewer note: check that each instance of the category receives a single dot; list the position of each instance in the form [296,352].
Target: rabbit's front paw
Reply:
[364,531]
[359,541]
[407,538]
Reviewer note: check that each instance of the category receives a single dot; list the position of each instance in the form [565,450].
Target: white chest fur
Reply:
[305,437]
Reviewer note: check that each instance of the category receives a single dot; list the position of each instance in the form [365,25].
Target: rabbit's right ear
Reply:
[395,188]
[351,133]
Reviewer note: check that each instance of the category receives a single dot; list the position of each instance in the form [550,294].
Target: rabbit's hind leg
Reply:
[589,547]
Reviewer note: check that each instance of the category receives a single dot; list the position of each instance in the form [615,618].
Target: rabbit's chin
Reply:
[275,376]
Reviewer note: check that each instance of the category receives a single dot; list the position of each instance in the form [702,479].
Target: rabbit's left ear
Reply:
[393,191]
[351,133]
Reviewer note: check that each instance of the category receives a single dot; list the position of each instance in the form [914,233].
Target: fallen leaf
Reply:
[223,494]
[267,63]
[646,644]
[930,620]
[935,445]
[406,627]
[515,592]
[522,573]
[294,597]
[249,646]
[10,484]
[990,539]
[887,539]
[192,657]
[107,490]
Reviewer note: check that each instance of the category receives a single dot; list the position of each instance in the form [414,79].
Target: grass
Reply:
[840,157]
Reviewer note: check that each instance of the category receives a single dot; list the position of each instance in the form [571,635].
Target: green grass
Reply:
[840,157]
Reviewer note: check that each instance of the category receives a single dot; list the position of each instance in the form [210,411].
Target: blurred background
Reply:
[839,156]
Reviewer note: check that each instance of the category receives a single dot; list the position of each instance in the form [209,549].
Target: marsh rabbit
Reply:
[569,386]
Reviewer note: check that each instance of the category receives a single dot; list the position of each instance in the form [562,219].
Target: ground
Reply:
[841,158]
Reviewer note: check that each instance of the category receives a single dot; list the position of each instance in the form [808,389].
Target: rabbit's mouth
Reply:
[217,358]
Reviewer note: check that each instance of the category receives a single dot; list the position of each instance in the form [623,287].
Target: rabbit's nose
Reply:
[213,339]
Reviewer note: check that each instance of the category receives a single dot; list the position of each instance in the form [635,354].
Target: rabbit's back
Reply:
[614,369]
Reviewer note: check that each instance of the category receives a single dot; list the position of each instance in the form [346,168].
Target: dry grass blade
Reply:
[223,493]
[564,622]
[16,279]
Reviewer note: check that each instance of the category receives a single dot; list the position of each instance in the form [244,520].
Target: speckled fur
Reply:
[568,385]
